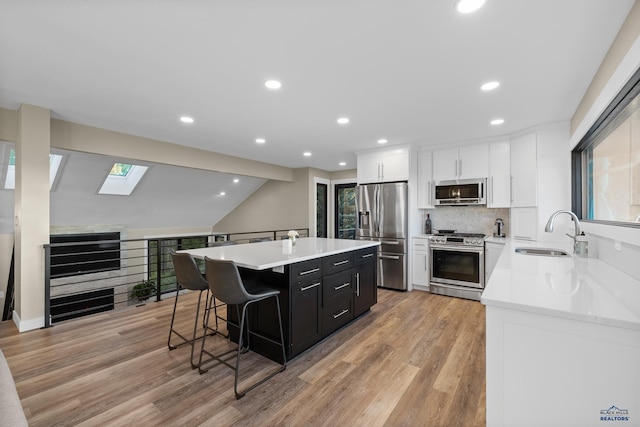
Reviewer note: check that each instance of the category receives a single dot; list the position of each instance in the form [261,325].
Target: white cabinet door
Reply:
[394,165]
[492,251]
[524,176]
[461,163]
[524,223]
[499,185]
[383,166]
[425,180]
[420,262]
[445,164]
[473,161]
[368,168]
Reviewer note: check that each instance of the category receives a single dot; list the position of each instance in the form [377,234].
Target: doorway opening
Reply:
[345,211]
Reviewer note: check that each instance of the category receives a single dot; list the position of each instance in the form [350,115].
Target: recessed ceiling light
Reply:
[343,163]
[343,120]
[382,141]
[222,193]
[490,86]
[186,119]
[261,140]
[306,154]
[273,84]
[497,122]
[236,180]
[468,6]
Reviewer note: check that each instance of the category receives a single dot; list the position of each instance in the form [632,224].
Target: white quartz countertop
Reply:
[264,255]
[571,287]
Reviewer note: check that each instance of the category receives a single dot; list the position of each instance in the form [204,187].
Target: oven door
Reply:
[457,265]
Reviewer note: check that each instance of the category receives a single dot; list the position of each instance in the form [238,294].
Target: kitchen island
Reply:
[563,341]
[324,284]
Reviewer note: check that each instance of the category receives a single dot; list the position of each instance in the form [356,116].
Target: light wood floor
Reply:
[416,359]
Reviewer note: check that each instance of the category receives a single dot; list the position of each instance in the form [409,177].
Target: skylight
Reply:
[122,179]
[10,181]
[120,169]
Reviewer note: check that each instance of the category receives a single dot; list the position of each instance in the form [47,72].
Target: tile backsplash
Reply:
[471,219]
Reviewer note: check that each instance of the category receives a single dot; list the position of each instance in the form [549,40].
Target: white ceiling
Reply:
[405,70]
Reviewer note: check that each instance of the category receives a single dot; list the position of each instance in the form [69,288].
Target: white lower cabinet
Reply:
[524,223]
[420,263]
[544,370]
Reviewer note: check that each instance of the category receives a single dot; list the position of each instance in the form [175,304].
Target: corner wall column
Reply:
[31,220]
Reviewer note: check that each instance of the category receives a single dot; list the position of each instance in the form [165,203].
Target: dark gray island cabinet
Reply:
[324,284]
[317,297]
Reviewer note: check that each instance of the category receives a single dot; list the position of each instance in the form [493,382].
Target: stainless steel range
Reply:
[457,265]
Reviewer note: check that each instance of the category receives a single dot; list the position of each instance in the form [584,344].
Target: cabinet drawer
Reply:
[306,270]
[337,286]
[337,314]
[365,255]
[338,262]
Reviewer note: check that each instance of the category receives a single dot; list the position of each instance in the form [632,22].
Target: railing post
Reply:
[158,270]
[47,286]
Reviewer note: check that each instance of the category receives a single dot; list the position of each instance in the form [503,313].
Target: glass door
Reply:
[345,212]
[321,210]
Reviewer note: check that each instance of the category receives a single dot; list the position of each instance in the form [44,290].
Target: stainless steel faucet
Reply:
[579,246]
[549,227]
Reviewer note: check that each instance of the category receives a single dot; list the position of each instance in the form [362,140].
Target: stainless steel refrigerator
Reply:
[382,216]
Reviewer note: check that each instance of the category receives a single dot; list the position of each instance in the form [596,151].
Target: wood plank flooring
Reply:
[416,359]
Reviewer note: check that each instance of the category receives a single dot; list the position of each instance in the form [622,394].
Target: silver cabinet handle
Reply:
[425,263]
[306,288]
[344,285]
[345,311]
[357,284]
[455,166]
[460,171]
[335,264]
[304,273]
[419,244]
[511,188]
[493,190]
[367,256]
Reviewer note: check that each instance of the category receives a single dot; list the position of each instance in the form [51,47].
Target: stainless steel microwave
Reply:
[462,192]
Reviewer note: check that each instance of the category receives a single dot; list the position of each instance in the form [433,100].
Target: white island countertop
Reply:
[571,287]
[264,255]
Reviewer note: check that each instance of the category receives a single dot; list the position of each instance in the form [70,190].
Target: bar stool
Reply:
[226,285]
[188,276]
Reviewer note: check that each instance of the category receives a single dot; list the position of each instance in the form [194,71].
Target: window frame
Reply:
[627,94]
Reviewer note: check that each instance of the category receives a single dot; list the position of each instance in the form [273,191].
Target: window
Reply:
[10,180]
[345,211]
[120,169]
[122,179]
[606,163]
[321,210]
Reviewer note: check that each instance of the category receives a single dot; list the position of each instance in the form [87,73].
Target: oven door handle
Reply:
[474,249]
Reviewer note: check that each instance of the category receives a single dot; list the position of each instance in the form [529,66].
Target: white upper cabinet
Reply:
[383,166]
[499,184]
[524,176]
[425,180]
[461,163]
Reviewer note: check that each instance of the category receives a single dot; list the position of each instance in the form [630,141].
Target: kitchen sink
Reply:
[541,251]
